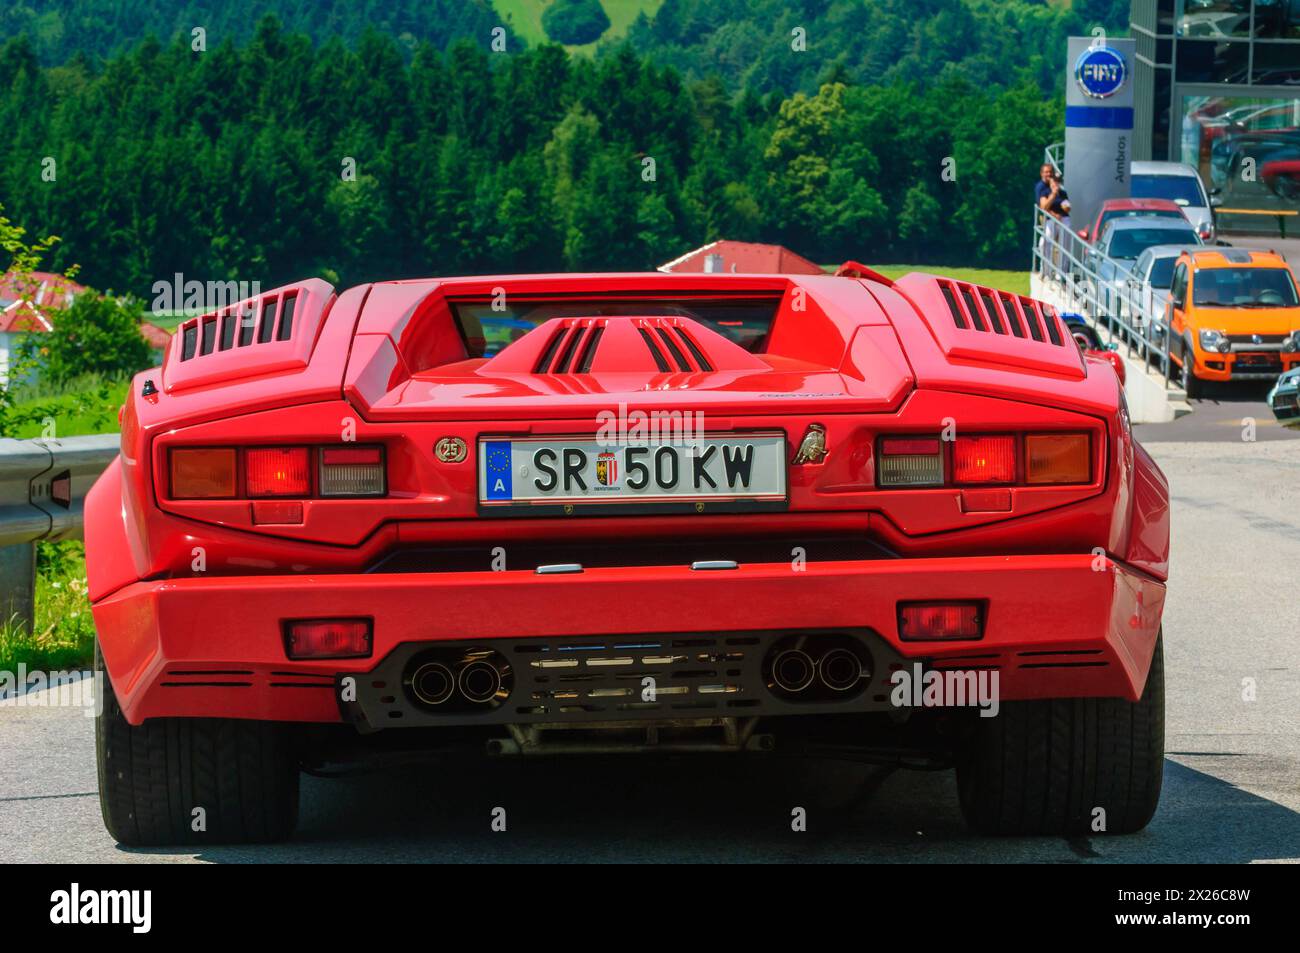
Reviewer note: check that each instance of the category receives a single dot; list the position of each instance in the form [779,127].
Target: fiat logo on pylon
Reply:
[450,450]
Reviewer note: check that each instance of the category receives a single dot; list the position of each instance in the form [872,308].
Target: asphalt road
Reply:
[1228,413]
[1232,772]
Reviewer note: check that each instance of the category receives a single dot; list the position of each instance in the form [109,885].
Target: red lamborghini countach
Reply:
[816,515]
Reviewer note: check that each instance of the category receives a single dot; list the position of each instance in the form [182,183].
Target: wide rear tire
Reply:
[1046,767]
[154,777]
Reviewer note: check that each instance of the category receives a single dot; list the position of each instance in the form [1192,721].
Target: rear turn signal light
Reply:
[277,471]
[1058,458]
[203,474]
[920,621]
[984,460]
[328,638]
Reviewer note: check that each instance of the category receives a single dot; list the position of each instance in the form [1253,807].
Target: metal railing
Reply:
[1132,314]
[1054,155]
[43,485]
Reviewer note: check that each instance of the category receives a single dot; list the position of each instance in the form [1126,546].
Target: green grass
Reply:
[64,636]
[168,320]
[1016,282]
[525,18]
[87,405]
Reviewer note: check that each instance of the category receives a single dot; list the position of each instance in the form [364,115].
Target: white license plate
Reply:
[528,470]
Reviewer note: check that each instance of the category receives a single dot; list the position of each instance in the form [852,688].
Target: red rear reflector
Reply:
[896,445]
[939,620]
[329,638]
[986,501]
[984,460]
[203,474]
[277,471]
[342,456]
[277,512]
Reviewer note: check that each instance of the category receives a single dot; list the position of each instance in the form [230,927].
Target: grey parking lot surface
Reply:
[1232,769]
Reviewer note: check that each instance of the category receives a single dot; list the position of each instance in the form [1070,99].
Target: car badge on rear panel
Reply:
[450,449]
[813,447]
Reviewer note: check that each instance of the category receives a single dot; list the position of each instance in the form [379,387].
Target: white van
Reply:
[1180,183]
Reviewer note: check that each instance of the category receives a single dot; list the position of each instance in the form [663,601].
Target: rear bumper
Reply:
[213,647]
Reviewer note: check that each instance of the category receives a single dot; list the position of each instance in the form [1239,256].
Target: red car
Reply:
[701,512]
[1130,208]
[1091,344]
[1282,176]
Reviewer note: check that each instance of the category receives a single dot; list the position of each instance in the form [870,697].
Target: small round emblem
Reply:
[450,450]
[1100,72]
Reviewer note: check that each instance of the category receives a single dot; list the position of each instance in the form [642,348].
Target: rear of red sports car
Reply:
[542,515]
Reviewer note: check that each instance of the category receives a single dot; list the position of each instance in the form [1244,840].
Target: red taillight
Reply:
[328,638]
[984,460]
[939,620]
[277,471]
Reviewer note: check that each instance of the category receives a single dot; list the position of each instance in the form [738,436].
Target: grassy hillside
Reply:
[1015,282]
[525,18]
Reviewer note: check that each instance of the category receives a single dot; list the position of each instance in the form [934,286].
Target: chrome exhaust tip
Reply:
[793,670]
[479,682]
[840,670]
[433,683]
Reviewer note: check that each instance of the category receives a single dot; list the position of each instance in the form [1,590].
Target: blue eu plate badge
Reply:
[497,470]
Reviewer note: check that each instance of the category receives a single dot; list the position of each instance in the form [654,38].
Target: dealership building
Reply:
[1217,85]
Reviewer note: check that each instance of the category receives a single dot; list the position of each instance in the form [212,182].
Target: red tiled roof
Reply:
[745,258]
[19,317]
[45,289]
[157,337]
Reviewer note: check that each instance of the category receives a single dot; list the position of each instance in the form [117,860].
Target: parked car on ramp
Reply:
[1131,208]
[1147,288]
[1117,249]
[699,513]
[1180,183]
[1090,342]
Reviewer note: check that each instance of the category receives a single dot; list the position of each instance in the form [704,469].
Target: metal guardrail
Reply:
[43,485]
[1132,315]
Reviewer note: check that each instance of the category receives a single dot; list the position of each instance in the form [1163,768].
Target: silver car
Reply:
[1150,277]
[1113,257]
[1180,183]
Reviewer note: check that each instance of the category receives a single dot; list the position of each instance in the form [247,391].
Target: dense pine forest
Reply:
[281,150]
